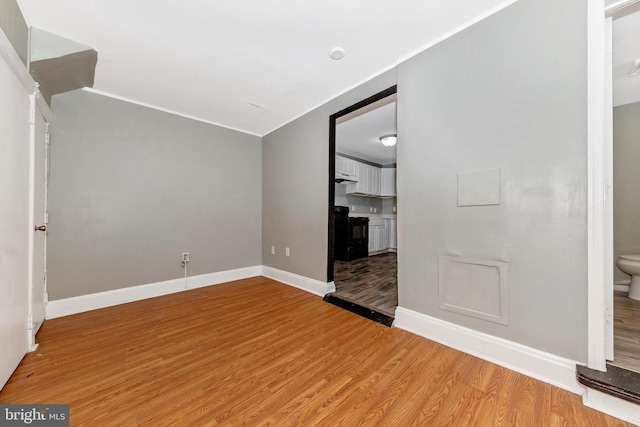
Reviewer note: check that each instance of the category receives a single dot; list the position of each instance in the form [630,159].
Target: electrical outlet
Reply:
[286,251]
[273,250]
[394,208]
[370,209]
[185,257]
[353,208]
[375,210]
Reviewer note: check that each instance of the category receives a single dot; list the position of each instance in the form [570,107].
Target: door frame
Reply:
[600,182]
[332,168]
[38,108]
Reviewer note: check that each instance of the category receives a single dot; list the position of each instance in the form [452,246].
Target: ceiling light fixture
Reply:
[389,140]
[337,53]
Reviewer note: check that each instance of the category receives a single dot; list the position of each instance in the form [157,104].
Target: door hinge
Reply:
[46,217]
[47,138]
[32,114]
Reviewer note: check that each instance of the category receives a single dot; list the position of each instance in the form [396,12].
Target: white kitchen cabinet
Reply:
[388,182]
[375,181]
[378,236]
[345,166]
[372,180]
[340,166]
[368,179]
[349,166]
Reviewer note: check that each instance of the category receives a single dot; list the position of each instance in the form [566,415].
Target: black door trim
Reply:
[332,166]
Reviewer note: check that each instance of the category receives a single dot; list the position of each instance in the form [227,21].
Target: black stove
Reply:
[351,235]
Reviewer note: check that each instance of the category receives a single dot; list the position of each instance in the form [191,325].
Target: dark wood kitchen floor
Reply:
[370,281]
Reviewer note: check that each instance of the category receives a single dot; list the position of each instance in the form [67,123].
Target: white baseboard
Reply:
[310,285]
[622,285]
[613,406]
[79,304]
[534,363]
[622,288]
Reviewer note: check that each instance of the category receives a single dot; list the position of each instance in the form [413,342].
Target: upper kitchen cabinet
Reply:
[372,181]
[388,182]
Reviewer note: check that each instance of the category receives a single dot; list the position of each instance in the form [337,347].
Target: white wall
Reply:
[14,208]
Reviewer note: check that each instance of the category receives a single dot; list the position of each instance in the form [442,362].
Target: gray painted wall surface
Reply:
[295,176]
[508,93]
[626,176]
[12,23]
[132,188]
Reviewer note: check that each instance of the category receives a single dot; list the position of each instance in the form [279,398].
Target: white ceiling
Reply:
[250,65]
[360,136]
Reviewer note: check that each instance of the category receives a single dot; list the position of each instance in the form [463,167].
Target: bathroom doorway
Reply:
[626,175]
[362,196]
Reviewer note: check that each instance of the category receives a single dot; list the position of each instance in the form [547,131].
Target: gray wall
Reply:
[295,176]
[509,93]
[12,23]
[132,188]
[626,176]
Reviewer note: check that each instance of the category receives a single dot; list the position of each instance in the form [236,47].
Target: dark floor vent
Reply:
[358,309]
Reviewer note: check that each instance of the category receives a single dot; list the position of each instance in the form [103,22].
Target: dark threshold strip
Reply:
[616,381]
[359,310]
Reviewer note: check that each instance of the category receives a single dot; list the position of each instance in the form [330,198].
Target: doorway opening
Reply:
[362,256]
[626,200]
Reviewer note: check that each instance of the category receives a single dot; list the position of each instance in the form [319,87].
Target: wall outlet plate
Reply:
[185,256]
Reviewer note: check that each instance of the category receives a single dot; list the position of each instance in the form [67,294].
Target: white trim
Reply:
[79,304]
[305,283]
[619,7]
[534,363]
[613,406]
[8,53]
[165,110]
[596,214]
[608,189]
[43,108]
[621,287]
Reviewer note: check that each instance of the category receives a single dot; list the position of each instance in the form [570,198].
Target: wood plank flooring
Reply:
[257,352]
[371,282]
[626,332]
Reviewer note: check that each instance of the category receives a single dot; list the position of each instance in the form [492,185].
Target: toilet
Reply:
[630,264]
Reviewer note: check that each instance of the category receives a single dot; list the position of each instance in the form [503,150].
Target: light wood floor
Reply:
[370,281]
[257,352]
[626,332]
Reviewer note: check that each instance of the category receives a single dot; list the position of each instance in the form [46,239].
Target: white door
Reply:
[40,119]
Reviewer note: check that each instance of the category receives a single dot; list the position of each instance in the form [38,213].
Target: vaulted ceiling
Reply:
[250,65]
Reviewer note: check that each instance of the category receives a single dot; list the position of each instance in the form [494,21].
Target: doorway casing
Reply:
[332,167]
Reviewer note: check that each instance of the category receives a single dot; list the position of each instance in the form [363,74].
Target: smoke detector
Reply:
[337,53]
